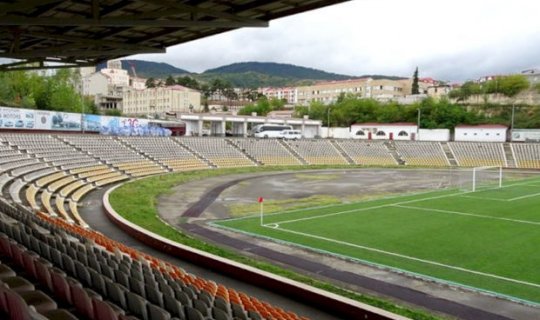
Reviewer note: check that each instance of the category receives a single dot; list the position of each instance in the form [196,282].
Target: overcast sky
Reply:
[448,40]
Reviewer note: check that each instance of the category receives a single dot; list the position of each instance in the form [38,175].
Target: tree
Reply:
[150,82]
[512,85]
[415,87]
[188,82]
[170,81]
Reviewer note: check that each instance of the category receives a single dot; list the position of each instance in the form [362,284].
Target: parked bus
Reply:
[269,130]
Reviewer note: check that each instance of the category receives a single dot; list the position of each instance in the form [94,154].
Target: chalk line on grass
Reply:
[489,275]
[468,214]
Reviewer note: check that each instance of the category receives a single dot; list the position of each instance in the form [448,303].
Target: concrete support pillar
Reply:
[223,127]
[200,127]
[245,125]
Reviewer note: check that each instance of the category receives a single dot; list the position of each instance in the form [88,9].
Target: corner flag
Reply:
[260,200]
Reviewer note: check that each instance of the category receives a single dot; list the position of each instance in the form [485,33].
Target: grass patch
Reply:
[136,202]
[271,206]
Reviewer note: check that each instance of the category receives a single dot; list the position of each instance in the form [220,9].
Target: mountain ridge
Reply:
[251,74]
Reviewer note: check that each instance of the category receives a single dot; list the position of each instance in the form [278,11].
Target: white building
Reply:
[384,131]
[160,100]
[94,84]
[482,132]
[116,77]
[288,93]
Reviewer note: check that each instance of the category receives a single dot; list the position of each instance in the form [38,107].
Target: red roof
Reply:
[378,124]
[483,126]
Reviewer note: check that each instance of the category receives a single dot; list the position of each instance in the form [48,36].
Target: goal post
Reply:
[488,177]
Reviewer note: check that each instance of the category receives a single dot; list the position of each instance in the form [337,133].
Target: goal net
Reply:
[482,178]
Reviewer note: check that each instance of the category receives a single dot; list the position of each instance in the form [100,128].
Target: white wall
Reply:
[433,135]
[336,132]
[480,134]
[310,131]
[387,129]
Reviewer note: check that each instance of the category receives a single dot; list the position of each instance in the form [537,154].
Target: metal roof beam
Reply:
[197,10]
[73,53]
[21,6]
[133,21]
[92,42]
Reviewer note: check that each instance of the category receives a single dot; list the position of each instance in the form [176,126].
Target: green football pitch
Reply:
[487,240]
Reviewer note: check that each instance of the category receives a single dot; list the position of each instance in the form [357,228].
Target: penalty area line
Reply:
[467,214]
[488,275]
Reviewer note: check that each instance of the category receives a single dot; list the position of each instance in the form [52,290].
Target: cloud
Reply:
[454,41]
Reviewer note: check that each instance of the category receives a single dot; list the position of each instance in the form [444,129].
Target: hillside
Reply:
[278,70]
[244,74]
[149,69]
[270,74]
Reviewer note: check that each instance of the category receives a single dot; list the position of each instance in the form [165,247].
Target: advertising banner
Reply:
[526,135]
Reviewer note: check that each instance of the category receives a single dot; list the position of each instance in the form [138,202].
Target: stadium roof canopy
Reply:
[86,32]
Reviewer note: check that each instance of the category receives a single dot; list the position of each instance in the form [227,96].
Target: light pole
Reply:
[82,114]
[512,122]
[418,121]
[328,123]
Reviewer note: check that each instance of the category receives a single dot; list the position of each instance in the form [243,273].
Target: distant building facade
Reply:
[482,132]
[160,100]
[329,92]
[533,75]
[289,94]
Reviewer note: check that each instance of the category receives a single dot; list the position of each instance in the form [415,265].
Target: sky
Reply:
[448,40]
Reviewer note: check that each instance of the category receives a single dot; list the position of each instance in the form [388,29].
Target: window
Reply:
[360,133]
[403,134]
[380,133]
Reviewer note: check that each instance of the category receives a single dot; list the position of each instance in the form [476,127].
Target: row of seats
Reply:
[102,279]
[267,152]
[317,151]
[166,151]
[526,155]
[422,153]
[478,154]
[218,151]
[367,152]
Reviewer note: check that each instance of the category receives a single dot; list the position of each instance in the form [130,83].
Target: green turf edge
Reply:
[136,201]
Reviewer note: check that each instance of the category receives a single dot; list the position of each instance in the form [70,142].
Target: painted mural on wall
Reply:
[12,118]
[26,119]
[122,126]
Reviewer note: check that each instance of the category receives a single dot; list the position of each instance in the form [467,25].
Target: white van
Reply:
[291,134]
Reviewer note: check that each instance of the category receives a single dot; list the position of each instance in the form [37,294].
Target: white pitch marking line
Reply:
[368,208]
[413,258]
[482,198]
[525,196]
[469,214]
[389,205]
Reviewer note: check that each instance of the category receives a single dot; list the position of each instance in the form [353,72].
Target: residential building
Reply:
[94,84]
[288,94]
[160,100]
[328,92]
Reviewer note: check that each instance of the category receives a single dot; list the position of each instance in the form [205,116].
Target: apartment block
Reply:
[160,100]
